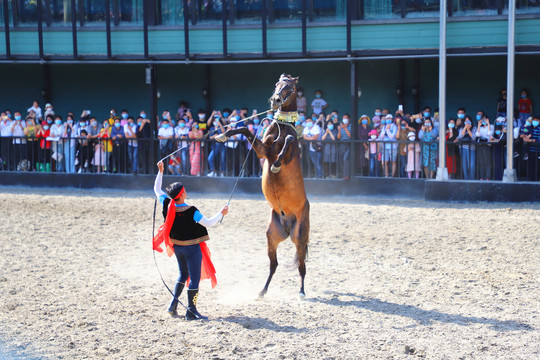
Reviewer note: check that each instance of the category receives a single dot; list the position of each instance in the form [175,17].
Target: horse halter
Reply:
[291,92]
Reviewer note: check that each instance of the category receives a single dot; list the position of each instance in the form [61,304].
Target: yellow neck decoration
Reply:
[286,116]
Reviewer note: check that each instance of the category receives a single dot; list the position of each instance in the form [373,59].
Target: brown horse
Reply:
[282,181]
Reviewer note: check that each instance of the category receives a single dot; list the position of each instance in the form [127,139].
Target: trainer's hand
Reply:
[160,166]
[225,210]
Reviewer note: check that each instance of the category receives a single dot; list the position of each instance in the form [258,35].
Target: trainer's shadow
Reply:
[253,323]
[424,317]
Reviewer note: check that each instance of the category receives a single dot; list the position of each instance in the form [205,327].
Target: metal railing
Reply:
[320,159]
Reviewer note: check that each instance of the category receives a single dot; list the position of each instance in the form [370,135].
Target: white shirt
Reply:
[318,105]
[57,130]
[19,131]
[131,131]
[314,130]
[166,132]
[37,110]
[5,128]
[179,131]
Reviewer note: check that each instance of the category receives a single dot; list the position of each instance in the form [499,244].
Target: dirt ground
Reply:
[386,279]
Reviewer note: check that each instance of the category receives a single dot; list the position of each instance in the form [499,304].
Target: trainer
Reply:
[184,234]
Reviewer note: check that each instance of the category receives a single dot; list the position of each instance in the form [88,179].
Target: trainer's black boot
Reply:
[174,303]
[192,313]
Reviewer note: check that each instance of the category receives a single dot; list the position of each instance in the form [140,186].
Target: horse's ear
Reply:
[295,79]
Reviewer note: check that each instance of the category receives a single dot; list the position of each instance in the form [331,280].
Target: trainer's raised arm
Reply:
[159,178]
[208,222]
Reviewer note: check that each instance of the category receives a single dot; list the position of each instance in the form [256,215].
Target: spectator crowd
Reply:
[385,144]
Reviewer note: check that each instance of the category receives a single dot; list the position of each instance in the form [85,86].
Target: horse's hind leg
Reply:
[300,237]
[275,234]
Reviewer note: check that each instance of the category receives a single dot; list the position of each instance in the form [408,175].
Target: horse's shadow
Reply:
[253,323]
[423,317]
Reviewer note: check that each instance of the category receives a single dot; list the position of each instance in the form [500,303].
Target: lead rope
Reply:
[242,170]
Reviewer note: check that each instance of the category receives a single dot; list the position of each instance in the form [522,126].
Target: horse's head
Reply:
[285,93]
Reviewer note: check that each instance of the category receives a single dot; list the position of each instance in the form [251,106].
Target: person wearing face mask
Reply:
[312,133]
[344,134]
[112,117]
[30,131]
[19,141]
[301,101]
[318,104]
[402,137]
[144,134]
[388,134]
[119,147]
[201,120]
[466,138]
[124,117]
[181,132]
[498,142]
[373,153]
[525,105]
[57,130]
[5,133]
[452,151]
[429,148]
[68,138]
[533,149]
[501,103]
[413,156]
[330,149]
[166,137]
[103,149]
[484,131]
[363,130]
[130,130]
[36,109]
[44,148]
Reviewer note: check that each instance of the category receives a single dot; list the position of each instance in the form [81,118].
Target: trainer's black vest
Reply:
[184,227]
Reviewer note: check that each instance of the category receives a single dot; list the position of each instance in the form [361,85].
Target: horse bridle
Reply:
[293,91]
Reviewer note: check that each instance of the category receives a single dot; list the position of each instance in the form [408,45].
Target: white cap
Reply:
[501,119]
[389,116]
[410,134]
[48,105]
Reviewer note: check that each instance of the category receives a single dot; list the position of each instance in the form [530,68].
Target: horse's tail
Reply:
[296,260]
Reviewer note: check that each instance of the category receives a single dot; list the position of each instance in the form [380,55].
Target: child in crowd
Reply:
[175,164]
[373,168]
[82,152]
[301,101]
[318,104]
[525,105]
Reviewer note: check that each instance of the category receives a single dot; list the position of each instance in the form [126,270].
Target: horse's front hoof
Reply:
[221,138]
[301,296]
[275,169]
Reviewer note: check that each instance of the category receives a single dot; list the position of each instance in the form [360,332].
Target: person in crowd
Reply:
[175,164]
[312,133]
[498,143]
[501,103]
[389,133]
[57,130]
[37,110]
[32,148]
[195,149]
[484,132]
[6,144]
[363,130]
[377,112]
[119,147]
[49,109]
[533,149]
[201,120]
[144,134]
[166,138]
[130,131]
[184,234]
[525,105]
[42,134]
[112,117]
[467,138]
[299,125]
[333,116]
[373,153]
[124,117]
[301,101]
[330,149]
[101,149]
[68,138]
[217,150]
[19,141]
[181,110]
[232,148]
[428,135]
[414,164]
[252,162]
[451,149]
[402,137]
[182,134]
[94,129]
[83,151]
[318,104]
[344,134]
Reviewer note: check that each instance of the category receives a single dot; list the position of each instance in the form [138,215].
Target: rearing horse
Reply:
[282,180]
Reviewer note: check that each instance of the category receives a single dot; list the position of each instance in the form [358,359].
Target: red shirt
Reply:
[44,144]
[525,106]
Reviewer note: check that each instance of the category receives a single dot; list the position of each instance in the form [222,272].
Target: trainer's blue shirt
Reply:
[197,216]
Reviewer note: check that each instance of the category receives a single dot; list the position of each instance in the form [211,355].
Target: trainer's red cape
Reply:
[207,268]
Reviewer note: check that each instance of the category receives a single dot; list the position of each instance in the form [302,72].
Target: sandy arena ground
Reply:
[386,279]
